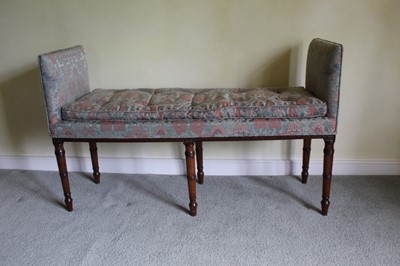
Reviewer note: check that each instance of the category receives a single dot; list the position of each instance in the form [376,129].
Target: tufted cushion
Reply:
[159,104]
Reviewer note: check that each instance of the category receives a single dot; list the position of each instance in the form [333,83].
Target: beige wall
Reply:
[210,43]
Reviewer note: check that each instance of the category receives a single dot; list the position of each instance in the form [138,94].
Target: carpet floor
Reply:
[242,220]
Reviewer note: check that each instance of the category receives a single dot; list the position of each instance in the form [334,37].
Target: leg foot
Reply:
[62,168]
[306,159]
[68,203]
[95,161]
[327,174]
[191,176]
[199,158]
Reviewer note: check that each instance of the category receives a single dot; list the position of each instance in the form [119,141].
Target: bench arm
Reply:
[324,65]
[64,76]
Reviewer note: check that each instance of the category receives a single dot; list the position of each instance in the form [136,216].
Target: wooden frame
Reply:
[194,154]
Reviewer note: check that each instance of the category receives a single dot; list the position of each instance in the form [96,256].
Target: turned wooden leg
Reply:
[191,176]
[95,161]
[306,159]
[199,159]
[62,168]
[327,173]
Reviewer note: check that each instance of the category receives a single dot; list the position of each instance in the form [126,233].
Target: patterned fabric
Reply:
[189,128]
[147,104]
[64,78]
[76,113]
[324,67]
[257,103]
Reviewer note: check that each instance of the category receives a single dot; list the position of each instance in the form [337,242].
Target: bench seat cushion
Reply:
[176,103]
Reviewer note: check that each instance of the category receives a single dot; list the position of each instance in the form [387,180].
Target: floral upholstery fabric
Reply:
[64,78]
[76,113]
[194,128]
[156,104]
[293,102]
[324,67]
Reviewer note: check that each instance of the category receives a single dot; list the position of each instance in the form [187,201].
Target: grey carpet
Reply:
[143,220]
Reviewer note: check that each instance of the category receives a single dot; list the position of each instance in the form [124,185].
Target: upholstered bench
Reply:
[77,114]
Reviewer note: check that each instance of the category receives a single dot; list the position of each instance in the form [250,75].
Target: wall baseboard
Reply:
[212,166]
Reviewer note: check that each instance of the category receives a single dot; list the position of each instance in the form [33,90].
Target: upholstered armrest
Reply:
[323,72]
[64,75]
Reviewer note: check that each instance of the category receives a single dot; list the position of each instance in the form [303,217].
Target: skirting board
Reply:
[211,166]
